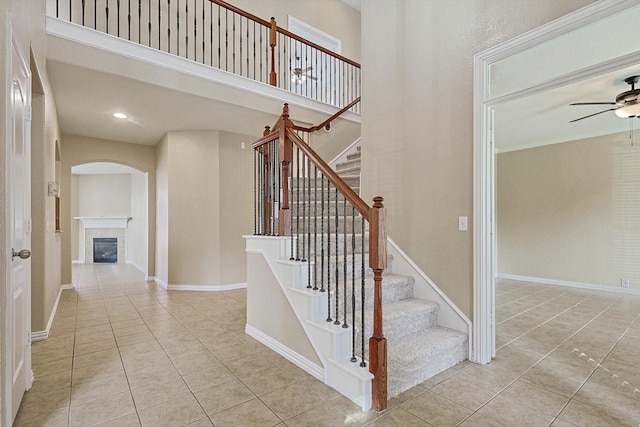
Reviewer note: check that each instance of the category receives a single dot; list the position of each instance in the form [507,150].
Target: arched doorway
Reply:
[110,199]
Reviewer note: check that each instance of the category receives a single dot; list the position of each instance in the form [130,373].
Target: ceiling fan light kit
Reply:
[627,103]
[632,109]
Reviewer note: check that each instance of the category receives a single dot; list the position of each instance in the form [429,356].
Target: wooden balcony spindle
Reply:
[273,36]
[378,343]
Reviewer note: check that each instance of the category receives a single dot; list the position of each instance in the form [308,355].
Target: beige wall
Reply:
[78,150]
[568,212]
[236,202]
[417,119]
[162,211]
[205,187]
[105,195]
[138,227]
[194,208]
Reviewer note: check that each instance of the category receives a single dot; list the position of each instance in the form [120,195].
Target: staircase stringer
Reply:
[330,343]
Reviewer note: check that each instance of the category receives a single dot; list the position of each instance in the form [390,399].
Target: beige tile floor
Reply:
[123,352]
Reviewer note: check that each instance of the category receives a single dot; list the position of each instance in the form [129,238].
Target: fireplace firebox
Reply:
[105,249]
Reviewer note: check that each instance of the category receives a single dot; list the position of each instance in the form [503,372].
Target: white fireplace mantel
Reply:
[104,221]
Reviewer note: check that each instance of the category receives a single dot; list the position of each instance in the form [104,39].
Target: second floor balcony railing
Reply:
[220,35]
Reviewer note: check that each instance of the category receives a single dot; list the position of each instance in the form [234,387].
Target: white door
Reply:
[19,233]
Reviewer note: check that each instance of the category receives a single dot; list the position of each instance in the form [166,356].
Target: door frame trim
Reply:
[484,239]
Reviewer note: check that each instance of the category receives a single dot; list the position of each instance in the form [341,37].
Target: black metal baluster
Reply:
[139,21]
[95,13]
[322,234]
[298,204]
[362,291]
[186,29]
[247,43]
[337,269]
[219,38]
[233,52]
[255,210]
[211,33]
[273,188]
[307,220]
[106,19]
[241,45]
[178,28]
[278,186]
[168,26]
[315,228]
[344,259]
[353,284]
[203,33]
[195,32]
[329,319]
[291,206]
[304,208]
[254,51]
[226,40]
[128,20]
[159,25]
[118,15]
[83,10]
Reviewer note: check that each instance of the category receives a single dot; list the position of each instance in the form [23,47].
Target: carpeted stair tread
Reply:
[404,317]
[417,357]
[349,164]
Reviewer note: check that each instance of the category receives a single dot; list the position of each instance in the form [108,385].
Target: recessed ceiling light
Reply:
[120,115]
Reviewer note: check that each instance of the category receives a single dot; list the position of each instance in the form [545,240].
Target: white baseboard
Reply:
[160,282]
[590,286]
[300,361]
[149,278]
[43,335]
[206,288]
[137,267]
[198,288]
[77,261]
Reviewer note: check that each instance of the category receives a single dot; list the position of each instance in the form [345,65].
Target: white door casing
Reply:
[484,246]
[17,321]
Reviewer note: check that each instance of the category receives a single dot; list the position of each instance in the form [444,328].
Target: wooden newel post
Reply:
[378,343]
[273,37]
[286,155]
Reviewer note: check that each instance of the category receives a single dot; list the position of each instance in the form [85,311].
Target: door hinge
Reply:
[27,112]
[28,338]
[29,225]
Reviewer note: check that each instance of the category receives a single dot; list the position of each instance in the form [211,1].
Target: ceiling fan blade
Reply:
[311,77]
[591,115]
[594,103]
[304,70]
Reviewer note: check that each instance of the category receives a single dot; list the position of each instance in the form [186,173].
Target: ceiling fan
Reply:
[299,75]
[627,103]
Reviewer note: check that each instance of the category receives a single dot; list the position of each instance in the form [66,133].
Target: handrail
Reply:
[344,188]
[327,123]
[317,46]
[241,12]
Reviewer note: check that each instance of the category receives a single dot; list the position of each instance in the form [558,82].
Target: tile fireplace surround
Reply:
[97,227]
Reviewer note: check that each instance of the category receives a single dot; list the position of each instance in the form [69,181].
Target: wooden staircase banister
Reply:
[327,123]
[241,12]
[333,177]
[276,149]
